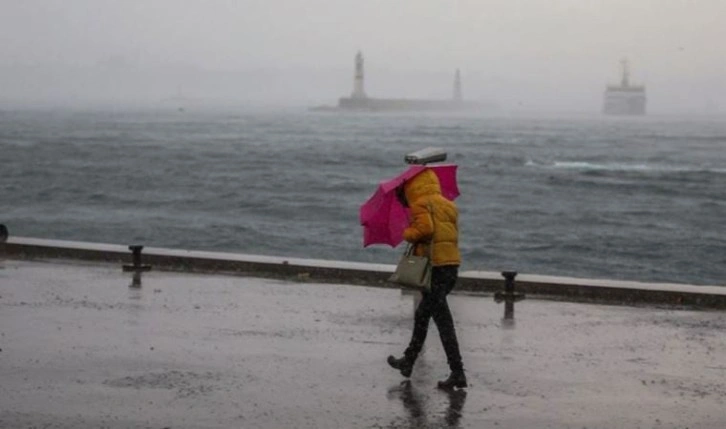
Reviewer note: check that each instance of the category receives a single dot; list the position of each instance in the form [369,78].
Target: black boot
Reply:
[457,379]
[404,365]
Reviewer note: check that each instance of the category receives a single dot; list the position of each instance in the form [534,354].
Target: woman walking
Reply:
[433,223]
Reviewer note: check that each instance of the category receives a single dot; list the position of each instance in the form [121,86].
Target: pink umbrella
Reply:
[384,218]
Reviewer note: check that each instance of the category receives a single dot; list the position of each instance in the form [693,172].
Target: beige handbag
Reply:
[414,272]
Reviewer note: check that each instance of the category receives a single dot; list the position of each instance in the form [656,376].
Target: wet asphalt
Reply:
[81,346]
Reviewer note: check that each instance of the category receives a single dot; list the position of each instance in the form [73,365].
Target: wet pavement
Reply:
[80,347]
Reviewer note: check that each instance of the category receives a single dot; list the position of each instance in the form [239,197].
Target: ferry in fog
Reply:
[624,99]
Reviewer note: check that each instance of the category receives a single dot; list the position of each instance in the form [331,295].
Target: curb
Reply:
[326,271]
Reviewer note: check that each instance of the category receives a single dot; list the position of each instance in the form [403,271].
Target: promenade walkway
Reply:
[80,348]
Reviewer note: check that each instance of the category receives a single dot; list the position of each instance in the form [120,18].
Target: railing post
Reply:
[509,296]
[136,260]
[136,266]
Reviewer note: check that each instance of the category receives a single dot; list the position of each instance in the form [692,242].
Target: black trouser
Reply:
[434,305]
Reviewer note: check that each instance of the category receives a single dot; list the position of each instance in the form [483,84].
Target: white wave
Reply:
[579,165]
[583,165]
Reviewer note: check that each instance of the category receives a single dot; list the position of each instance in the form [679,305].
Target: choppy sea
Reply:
[580,196]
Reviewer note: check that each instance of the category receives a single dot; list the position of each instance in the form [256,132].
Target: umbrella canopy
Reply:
[384,218]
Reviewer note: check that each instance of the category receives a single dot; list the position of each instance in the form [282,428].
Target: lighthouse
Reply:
[358,91]
[360,101]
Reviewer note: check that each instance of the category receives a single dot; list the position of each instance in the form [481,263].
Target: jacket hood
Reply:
[423,184]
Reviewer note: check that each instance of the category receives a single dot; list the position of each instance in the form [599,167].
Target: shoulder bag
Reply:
[414,272]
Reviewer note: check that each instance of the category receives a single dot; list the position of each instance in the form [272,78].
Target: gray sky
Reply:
[538,54]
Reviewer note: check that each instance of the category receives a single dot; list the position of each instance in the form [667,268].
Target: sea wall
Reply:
[325,271]
[403,104]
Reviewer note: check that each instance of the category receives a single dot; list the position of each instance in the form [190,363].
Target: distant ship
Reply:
[624,99]
[359,100]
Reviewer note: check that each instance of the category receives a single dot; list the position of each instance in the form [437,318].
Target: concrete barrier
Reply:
[326,271]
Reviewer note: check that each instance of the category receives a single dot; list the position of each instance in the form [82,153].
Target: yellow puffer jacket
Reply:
[423,191]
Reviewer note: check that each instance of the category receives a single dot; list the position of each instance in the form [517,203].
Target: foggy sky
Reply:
[531,54]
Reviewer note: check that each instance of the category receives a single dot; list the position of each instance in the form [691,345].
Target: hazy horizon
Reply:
[555,55]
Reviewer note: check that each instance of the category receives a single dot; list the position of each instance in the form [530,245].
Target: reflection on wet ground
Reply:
[91,346]
[420,413]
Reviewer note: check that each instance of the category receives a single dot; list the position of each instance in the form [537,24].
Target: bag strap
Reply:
[433,225]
